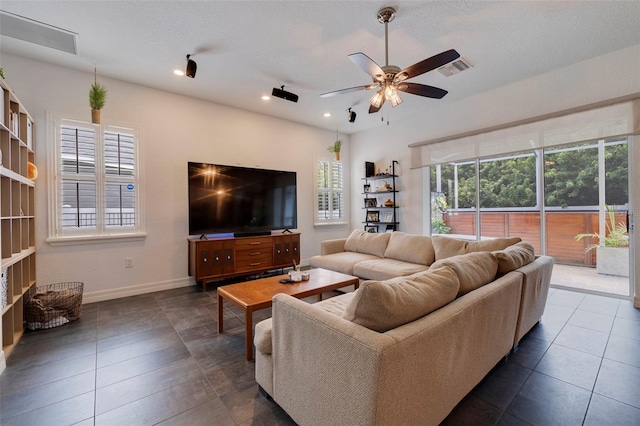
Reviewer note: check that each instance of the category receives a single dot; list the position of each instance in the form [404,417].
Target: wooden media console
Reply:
[218,258]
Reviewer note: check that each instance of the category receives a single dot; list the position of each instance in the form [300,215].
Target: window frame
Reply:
[101,233]
[317,222]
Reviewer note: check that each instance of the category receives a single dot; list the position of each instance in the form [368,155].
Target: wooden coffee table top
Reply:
[257,294]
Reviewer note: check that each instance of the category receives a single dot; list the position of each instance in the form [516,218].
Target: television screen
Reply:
[225,199]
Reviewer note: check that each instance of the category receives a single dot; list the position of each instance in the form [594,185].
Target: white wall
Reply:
[176,129]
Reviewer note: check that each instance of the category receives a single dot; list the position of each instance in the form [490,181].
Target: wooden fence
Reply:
[562,227]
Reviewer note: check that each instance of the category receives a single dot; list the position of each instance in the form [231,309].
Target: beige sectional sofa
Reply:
[403,349]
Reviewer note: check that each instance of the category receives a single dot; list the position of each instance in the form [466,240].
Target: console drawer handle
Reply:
[255,264]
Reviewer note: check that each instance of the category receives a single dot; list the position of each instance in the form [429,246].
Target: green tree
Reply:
[571,177]
[508,183]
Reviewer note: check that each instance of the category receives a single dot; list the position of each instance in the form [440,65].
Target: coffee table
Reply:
[254,295]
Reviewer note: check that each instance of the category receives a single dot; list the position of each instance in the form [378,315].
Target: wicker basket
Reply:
[53,305]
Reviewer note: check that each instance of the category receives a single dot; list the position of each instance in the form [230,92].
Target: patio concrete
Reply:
[585,278]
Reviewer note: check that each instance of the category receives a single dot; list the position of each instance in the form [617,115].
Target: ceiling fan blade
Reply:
[349,90]
[422,90]
[367,65]
[426,65]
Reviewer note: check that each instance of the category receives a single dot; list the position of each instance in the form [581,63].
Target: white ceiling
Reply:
[245,48]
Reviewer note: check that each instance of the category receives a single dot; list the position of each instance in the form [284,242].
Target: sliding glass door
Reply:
[570,202]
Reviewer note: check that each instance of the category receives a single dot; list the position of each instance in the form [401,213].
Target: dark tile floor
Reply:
[158,359]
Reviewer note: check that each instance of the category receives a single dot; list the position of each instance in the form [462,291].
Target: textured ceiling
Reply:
[245,48]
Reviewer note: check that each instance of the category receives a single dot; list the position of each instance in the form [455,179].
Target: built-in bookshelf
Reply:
[17,214]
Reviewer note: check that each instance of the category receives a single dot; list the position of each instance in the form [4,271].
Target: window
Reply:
[330,208]
[95,189]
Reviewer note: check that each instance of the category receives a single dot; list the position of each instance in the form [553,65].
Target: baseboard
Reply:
[116,293]
[3,363]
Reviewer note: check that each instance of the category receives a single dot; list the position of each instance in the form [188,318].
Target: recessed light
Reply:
[327,114]
[178,72]
[265,97]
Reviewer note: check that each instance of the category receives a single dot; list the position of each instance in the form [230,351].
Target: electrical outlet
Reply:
[128,262]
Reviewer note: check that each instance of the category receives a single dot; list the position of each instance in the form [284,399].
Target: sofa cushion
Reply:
[383,305]
[447,246]
[340,262]
[368,242]
[514,257]
[410,248]
[384,269]
[473,269]
[336,305]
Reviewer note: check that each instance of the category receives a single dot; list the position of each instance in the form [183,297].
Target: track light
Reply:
[191,67]
[281,93]
[351,116]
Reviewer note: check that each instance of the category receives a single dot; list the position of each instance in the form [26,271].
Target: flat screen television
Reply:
[240,200]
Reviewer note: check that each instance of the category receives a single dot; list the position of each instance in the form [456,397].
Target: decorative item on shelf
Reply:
[388,203]
[337,145]
[370,202]
[97,98]
[388,217]
[371,228]
[385,187]
[369,169]
[373,216]
[367,188]
[32,171]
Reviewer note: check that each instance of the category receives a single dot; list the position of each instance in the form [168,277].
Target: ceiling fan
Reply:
[390,79]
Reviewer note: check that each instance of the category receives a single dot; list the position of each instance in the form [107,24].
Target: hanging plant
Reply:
[97,99]
[336,147]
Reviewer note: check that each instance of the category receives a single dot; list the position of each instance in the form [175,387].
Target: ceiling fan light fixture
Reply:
[192,67]
[389,91]
[389,79]
[395,99]
[377,99]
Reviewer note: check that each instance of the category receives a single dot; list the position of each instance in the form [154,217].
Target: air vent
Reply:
[454,67]
[25,29]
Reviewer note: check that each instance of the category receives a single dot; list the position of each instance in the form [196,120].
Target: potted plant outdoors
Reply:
[97,99]
[612,248]
[337,145]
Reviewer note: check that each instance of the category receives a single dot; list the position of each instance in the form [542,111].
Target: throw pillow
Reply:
[447,247]
[367,242]
[473,269]
[410,248]
[514,257]
[383,305]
